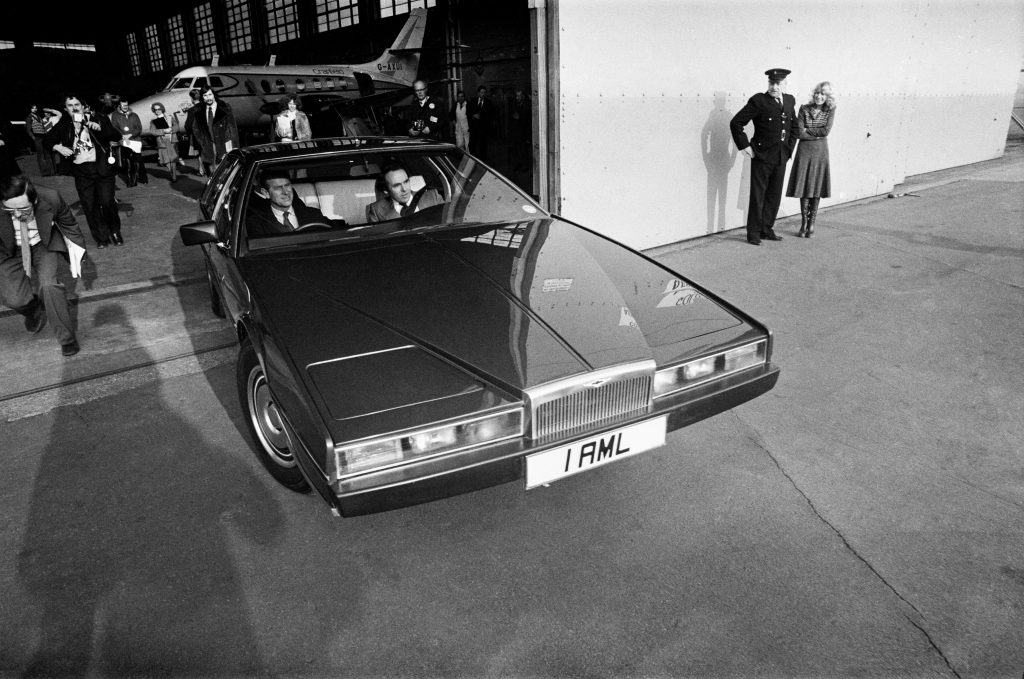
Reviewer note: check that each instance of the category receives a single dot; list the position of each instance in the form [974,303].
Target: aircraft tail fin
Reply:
[402,60]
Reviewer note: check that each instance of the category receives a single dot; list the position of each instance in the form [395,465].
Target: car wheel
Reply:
[270,442]
[215,306]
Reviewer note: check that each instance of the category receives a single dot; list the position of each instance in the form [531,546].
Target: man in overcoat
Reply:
[774,116]
[37,229]
[216,127]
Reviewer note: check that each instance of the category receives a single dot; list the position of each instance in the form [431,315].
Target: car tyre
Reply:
[215,305]
[262,418]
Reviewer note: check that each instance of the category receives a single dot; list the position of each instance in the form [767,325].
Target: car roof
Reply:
[328,145]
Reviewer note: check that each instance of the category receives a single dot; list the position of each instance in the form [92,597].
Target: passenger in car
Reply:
[399,199]
[281,210]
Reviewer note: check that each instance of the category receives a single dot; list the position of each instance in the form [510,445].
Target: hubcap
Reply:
[267,420]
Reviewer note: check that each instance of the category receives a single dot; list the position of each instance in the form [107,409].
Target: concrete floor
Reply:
[863,518]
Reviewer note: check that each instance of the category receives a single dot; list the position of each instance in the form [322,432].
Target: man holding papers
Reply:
[36,227]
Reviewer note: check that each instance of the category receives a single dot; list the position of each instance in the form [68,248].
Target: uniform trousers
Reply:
[96,192]
[766,182]
[16,289]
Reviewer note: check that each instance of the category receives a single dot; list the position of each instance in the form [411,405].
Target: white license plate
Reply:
[579,456]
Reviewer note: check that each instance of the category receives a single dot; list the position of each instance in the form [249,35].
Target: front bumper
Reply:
[445,476]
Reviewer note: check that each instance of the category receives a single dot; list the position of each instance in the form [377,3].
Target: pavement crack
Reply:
[759,442]
[933,644]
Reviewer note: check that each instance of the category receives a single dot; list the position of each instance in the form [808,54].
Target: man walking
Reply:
[36,228]
[775,135]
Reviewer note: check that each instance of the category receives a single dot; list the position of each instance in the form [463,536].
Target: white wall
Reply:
[648,88]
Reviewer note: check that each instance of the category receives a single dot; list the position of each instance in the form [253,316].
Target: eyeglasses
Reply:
[17,210]
[421,89]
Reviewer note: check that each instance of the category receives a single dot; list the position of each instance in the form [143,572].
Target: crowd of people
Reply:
[38,229]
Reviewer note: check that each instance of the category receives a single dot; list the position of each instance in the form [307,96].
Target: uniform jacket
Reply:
[127,124]
[775,132]
[214,142]
[51,211]
[384,208]
[63,132]
[431,115]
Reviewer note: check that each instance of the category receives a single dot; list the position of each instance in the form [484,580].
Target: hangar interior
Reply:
[619,100]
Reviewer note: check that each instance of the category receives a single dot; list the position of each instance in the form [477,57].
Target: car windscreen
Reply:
[368,194]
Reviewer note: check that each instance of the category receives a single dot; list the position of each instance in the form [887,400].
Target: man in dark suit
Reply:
[775,135]
[428,117]
[84,144]
[36,228]
[399,200]
[481,118]
[280,210]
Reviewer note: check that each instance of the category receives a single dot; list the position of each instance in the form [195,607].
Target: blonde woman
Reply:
[810,180]
[164,127]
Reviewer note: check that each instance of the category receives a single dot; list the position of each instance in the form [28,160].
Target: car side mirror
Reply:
[198,233]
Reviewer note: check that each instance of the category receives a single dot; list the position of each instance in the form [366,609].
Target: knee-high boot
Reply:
[812,213]
[804,202]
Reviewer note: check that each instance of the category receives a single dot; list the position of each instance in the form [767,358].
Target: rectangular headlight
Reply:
[679,377]
[383,452]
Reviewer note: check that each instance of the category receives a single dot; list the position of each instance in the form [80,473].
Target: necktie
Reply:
[406,209]
[26,248]
[209,118]
[287,222]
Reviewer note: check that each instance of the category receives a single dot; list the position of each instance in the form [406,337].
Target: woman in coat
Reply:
[809,179]
[165,129]
[291,124]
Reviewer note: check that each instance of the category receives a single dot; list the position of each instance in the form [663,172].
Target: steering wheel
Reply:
[314,226]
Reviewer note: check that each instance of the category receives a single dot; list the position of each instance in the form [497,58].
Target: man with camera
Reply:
[84,144]
[428,118]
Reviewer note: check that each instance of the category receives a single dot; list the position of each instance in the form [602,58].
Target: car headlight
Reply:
[678,377]
[382,452]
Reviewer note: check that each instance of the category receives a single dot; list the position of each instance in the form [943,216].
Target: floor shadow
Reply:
[126,548]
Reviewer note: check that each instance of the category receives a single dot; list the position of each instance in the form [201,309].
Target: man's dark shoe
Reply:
[35,321]
[753,242]
[69,349]
[116,239]
[771,235]
[102,244]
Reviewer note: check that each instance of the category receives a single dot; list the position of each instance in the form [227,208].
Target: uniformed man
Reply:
[428,118]
[774,117]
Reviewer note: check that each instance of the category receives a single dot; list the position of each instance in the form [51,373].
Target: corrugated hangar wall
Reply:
[647,90]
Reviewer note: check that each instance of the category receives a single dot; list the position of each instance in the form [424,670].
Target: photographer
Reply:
[428,117]
[84,143]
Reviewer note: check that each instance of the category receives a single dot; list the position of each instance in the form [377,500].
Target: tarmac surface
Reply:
[863,518]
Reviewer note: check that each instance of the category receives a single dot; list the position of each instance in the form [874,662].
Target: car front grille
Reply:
[587,401]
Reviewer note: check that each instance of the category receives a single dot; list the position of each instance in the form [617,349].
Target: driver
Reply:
[399,200]
[283,211]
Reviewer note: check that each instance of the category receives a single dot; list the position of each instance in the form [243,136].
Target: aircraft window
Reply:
[200,83]
[329,84]
[250,87]
[216,82]
[281,87]
[316,83]
[265,84]
[300,84]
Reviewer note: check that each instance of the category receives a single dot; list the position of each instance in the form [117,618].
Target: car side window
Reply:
[224,209]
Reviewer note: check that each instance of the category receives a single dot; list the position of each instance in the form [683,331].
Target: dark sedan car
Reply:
[394,354]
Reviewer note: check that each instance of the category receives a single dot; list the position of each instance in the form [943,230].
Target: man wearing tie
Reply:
[481,114]
[35,226]
[281,212]
[775,135]
[399,200]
